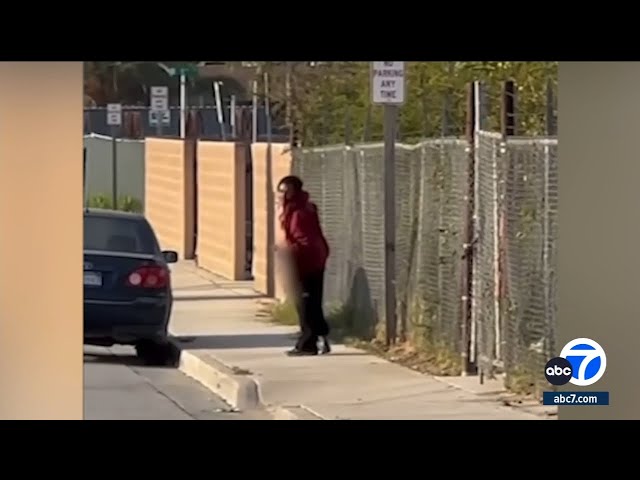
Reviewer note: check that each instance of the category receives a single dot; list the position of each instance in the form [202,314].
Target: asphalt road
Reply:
[117,386]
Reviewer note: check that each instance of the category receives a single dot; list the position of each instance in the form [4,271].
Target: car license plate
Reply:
[93,279]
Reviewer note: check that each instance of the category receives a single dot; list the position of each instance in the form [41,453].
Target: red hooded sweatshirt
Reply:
[303,234]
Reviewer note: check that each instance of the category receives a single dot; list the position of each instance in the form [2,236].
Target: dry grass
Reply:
[283,314]
[523,383]
[419,356]
[423,359]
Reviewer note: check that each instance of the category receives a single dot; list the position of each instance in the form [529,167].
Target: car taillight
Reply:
[148,277]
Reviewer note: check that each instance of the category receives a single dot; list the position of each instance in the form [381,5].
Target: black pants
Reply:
[310,313]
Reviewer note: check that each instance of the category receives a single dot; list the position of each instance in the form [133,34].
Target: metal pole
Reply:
[390,121]
[270,192]
[508,129]
[114,168]
[366,131]
[495,187]
[183,104]
[84,176]
[476,335]
[232,116]
[288,97]
[254,119]
[468,355]
[159,116]
[550,113]
[220,114]
[267,108]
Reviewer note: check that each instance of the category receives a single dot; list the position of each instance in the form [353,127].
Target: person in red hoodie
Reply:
[309,251]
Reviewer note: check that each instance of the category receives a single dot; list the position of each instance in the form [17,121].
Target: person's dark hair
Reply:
[292,181]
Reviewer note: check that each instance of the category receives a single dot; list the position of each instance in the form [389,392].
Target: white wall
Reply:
[99,166]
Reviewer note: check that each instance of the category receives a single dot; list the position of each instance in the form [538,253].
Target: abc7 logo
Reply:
[558,371]
[582,362]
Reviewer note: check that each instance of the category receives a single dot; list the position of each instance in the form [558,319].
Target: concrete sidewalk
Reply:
[230,350]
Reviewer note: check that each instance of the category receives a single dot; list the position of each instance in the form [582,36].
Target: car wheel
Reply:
[155,353]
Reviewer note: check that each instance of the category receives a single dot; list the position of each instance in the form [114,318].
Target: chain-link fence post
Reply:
[467,349]
[486,315]
[545,235]
[550,195]
[550,114]
[508,128]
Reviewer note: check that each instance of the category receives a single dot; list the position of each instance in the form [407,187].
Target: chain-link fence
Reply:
[347,185]
[485,312]
[434,315]
[530,230]
[141,121]
[514,222]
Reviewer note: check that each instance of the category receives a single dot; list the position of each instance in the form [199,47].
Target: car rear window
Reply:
[113,234]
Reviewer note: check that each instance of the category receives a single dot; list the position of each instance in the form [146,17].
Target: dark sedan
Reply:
[127,284]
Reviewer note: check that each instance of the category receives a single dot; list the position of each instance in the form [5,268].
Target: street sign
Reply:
[114,114]
[387,83]
[190,71]
[160,91]
[153,117]
[159,99]
[159,104]
[114,119]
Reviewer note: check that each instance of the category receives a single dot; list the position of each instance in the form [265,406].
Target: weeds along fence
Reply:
[511,326]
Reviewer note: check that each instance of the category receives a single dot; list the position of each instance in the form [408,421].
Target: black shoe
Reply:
[326,348]
[301,353]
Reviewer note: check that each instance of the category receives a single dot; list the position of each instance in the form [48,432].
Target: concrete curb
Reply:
[293,413]
[241,391]
[237,390]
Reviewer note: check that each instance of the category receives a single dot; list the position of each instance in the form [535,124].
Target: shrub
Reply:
[126,203]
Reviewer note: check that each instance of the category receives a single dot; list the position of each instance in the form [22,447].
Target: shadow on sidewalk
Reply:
[226,342]
[194,288]
[218,342]
[107,357]
[195,298]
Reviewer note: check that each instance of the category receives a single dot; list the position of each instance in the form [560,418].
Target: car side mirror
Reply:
[170,256]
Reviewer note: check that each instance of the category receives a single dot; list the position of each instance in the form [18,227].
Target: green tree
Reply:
[323,99]
[128,82]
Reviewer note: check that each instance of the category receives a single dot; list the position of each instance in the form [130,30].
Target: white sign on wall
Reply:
[165,115]
[162,91]
[114,114]
[387,83]
[159,100]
